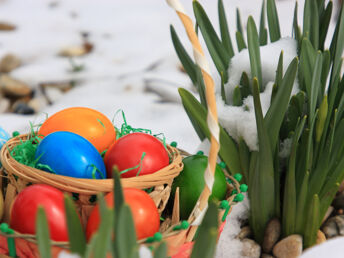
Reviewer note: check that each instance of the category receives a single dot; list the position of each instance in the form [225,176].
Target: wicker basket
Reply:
[20,176]
[178,245]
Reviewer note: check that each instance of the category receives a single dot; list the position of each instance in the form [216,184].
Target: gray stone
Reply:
[250,249]
[8,63]
[22,108]
[289,247]
[334,226]
[271,235]
[14,88]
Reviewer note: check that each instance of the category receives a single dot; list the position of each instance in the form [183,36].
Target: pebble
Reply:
[53,94]
[266,256]
[8,63]
[334,226]
[4,26]
[63,85]
[271,236]
[4,105]
[289,247]
[250,249]
[320,237]
[37,104]
[245,232]
[23,109]
[14,88]
[74,51]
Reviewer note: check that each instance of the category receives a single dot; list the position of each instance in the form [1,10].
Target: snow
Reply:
[240,121]
[333,248]
[229,245]
[133,67]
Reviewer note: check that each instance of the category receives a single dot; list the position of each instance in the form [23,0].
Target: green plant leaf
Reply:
[263,33]
[279,71]
[195,124]
[307,61]
[91,246]
[307,19]
[161,251]
[244,155]
[185,59]
[274,116]
[205,242]
[311,229]
[326,201]
[223,92]
[264,202]
[102,205]
[245,85]
[289,201]
[319,126]
[314,29]
[325,71]
[225,36]
[251,172]
[76,234]
[217,51]
[238,22]
[240,41]
[237,98]
[273,22]
[325,19]
[296,28]
[315,86]
[337,49]
[118,204]
[301,205]
[104,234]
[42,233]
[228,150]
[254,51]
[126,244]
[201,87]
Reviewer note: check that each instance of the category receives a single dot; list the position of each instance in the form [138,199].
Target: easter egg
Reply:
[87,122]
[191,183]
[145,213]
[4,136]
[136,154]
[25,207]
[69,154]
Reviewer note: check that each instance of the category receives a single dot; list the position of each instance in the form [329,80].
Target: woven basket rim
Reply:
[87,186]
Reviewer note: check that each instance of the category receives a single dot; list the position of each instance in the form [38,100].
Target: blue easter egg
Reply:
[70,154]
[4,137]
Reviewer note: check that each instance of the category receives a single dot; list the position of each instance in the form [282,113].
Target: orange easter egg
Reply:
[86,122]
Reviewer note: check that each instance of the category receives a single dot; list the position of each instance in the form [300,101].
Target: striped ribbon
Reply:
[212,121]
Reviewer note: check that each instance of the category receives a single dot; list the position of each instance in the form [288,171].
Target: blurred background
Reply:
[106,55]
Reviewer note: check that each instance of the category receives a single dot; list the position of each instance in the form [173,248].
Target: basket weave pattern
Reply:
[19,176]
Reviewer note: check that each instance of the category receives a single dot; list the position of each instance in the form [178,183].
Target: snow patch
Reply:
[240,121]
[229,245]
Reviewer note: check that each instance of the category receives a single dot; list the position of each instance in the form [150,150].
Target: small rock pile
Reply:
[18,97]
[273,245]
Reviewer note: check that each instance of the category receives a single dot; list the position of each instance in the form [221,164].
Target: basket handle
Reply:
[212,120]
